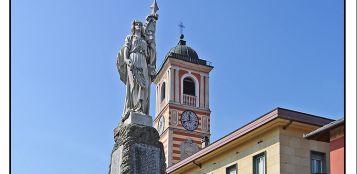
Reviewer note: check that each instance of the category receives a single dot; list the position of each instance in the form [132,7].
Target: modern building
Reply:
[272,143]
[333,133]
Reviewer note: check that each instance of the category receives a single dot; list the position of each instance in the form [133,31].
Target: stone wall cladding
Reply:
[295,151]
[131,134]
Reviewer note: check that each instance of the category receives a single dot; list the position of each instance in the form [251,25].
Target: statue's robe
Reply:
[135,77]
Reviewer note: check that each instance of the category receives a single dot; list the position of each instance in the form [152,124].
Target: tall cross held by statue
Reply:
[154,7]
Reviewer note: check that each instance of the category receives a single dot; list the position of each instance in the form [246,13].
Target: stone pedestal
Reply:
[139,118]
[137,149]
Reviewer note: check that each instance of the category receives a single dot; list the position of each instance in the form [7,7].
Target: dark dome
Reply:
[183,50]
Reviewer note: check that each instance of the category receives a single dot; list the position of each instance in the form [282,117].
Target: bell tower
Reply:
[182,115]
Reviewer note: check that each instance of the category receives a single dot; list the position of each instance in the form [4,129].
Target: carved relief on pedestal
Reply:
[146,159]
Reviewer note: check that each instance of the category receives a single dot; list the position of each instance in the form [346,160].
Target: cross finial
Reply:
[181,26]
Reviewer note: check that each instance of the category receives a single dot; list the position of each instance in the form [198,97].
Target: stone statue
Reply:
[136,63]
[137,149]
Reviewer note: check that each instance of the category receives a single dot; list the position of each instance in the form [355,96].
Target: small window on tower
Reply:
[163,91]
[189,86]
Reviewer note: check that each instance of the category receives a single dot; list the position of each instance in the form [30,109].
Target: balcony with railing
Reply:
[189,100]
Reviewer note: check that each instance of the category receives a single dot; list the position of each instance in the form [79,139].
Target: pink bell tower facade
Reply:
[182,103]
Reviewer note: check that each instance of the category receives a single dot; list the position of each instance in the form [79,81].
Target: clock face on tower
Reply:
[189,120]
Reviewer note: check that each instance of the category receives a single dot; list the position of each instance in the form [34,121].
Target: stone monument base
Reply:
[137,149]
[138,118]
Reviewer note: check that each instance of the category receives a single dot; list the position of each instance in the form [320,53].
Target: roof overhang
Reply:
[323,133]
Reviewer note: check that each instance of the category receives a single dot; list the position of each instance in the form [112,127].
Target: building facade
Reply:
[333,133]
[182,103]
[271,144]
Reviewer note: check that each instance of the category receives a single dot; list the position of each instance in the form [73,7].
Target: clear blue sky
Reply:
[67,97]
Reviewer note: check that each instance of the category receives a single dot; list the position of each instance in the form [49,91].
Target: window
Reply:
[259,164]
[318,163]
[163,91]
[189,86]
[231,169]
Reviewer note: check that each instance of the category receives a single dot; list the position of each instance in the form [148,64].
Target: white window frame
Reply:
[232,166]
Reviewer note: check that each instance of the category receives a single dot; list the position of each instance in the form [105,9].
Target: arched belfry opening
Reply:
[189,86]
[189,91]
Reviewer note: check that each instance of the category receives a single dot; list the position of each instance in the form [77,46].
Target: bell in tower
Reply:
[182,102]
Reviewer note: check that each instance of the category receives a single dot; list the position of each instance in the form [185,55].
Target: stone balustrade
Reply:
[189,100]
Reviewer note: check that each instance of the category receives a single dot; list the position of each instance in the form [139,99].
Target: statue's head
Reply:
[137,26]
